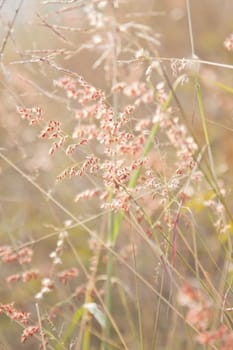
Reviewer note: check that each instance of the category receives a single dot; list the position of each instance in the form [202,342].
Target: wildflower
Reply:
[67,275]
[13,278]
[29,332]
[47,287]
[228,43]
[12,313]
[29,275]
[33,115]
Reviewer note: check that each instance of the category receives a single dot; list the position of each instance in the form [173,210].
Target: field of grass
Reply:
[116,150]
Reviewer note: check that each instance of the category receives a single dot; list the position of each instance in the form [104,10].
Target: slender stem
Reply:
[210,155]
[190,27]
[40,326]
[205,129]
[109,270]
[138,302]
[10,28]
[108,298]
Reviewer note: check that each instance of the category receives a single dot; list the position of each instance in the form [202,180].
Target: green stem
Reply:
[132,183]
[211,160]
[108,298]
[205,130]
[87,338]
[115,221]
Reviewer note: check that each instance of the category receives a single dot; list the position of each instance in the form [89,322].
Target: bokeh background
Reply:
[26,214]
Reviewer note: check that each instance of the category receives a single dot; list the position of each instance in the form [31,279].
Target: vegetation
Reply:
[116,175]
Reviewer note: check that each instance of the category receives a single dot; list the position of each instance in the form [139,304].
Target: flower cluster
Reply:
[25,276]
[33,115]
[55,255]
[9,255]
[228,43]
[84,93]
[199,315]
[29,332]
[67,275]
[47,287]
[21,317]
[14,314]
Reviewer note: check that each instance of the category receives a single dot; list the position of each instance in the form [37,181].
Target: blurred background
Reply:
[26,213]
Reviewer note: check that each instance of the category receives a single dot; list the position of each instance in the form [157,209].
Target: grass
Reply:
[116,216]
